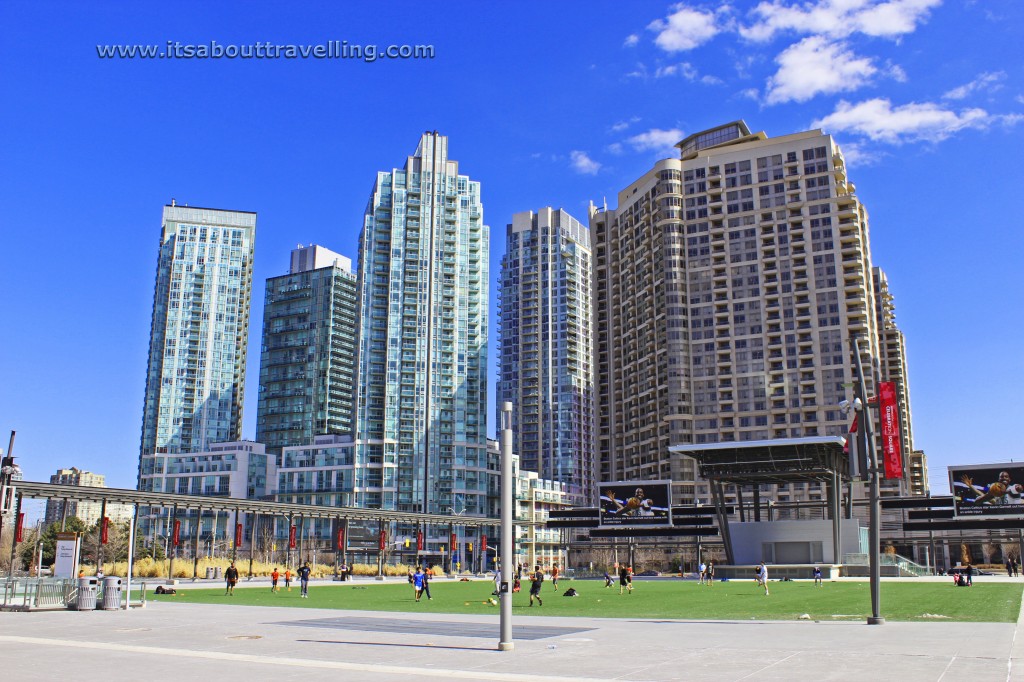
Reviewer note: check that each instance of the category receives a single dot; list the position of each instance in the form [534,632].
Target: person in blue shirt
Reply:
[417,583]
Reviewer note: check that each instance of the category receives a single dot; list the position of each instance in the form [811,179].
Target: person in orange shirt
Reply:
[288,579]
[273,579]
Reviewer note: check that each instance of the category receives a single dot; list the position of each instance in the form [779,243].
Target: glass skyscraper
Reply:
[197,348]
[422,386]
[546,348]
[307,361]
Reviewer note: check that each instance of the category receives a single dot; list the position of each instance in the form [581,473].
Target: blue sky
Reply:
[545,104]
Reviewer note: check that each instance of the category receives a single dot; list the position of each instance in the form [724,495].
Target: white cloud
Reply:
[750,93]
[631,40]
[619,126]
[656,139]
[814,66]
[984,82]
[878,120]
[838,18]
[711,80]
[583,164]
[1020,99]
[895,72]
[684,69]
[684,29]
[615,148]
[859,155]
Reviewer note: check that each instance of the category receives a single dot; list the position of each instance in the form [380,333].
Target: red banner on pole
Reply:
[483,543]
[419,541]
[383,539]
[176,536]
[238,535]
[452,541]
[890,419]
[291,537]
[105,530]
[19,532]
[341,539]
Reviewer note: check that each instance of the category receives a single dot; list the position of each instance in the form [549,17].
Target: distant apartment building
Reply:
[422,364]
[197,351]
[917,473]
[893,367]
[307,361]
[546,369]
[536,497]
[88,511]
[727,285]
[236,469]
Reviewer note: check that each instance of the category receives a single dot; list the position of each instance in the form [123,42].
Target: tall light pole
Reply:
[874,521]
[505,643]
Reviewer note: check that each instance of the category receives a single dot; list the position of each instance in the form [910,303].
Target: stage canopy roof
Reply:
[781,460]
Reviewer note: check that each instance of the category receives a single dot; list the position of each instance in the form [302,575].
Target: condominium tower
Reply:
[727,285]
[307,360]
[893,366]
[421,384]
[197,347]
[545,354]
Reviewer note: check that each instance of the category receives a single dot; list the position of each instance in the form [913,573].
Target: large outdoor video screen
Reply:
[988,489]
[636,503]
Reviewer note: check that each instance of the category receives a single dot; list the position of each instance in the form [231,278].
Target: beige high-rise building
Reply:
[88,511]
[727,285]
[893,365]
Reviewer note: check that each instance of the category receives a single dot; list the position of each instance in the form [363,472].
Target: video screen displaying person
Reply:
[988,490]
[634,504]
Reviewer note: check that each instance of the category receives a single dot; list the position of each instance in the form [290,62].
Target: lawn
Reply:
[676,599]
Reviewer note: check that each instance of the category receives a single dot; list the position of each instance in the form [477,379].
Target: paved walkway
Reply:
[175,641]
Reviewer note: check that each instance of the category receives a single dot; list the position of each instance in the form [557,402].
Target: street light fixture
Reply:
[859,404]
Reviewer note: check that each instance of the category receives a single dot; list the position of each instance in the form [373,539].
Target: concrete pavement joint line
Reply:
[757,673]
[949,665]
[297,662]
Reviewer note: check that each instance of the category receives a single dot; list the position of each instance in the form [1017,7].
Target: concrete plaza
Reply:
[180,641]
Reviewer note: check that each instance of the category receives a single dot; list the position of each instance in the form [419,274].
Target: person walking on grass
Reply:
[817,577]
[417,583]
[536,580]
[709,573]
[231,576]
[274,577]
[554,576]
[625,580]
[427,575]
[288,579]
[701,573]
[304,579]
[762,577]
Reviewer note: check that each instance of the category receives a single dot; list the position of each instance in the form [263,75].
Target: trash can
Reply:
[209,573]
[111,594]
[218,573]
[86,600]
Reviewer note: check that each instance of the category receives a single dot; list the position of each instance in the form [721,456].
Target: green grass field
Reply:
[734,600]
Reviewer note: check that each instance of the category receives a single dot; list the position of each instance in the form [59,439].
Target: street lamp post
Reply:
[505,642]
[874,521]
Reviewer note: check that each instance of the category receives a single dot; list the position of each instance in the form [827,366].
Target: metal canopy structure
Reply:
[29,489]
[817,459]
